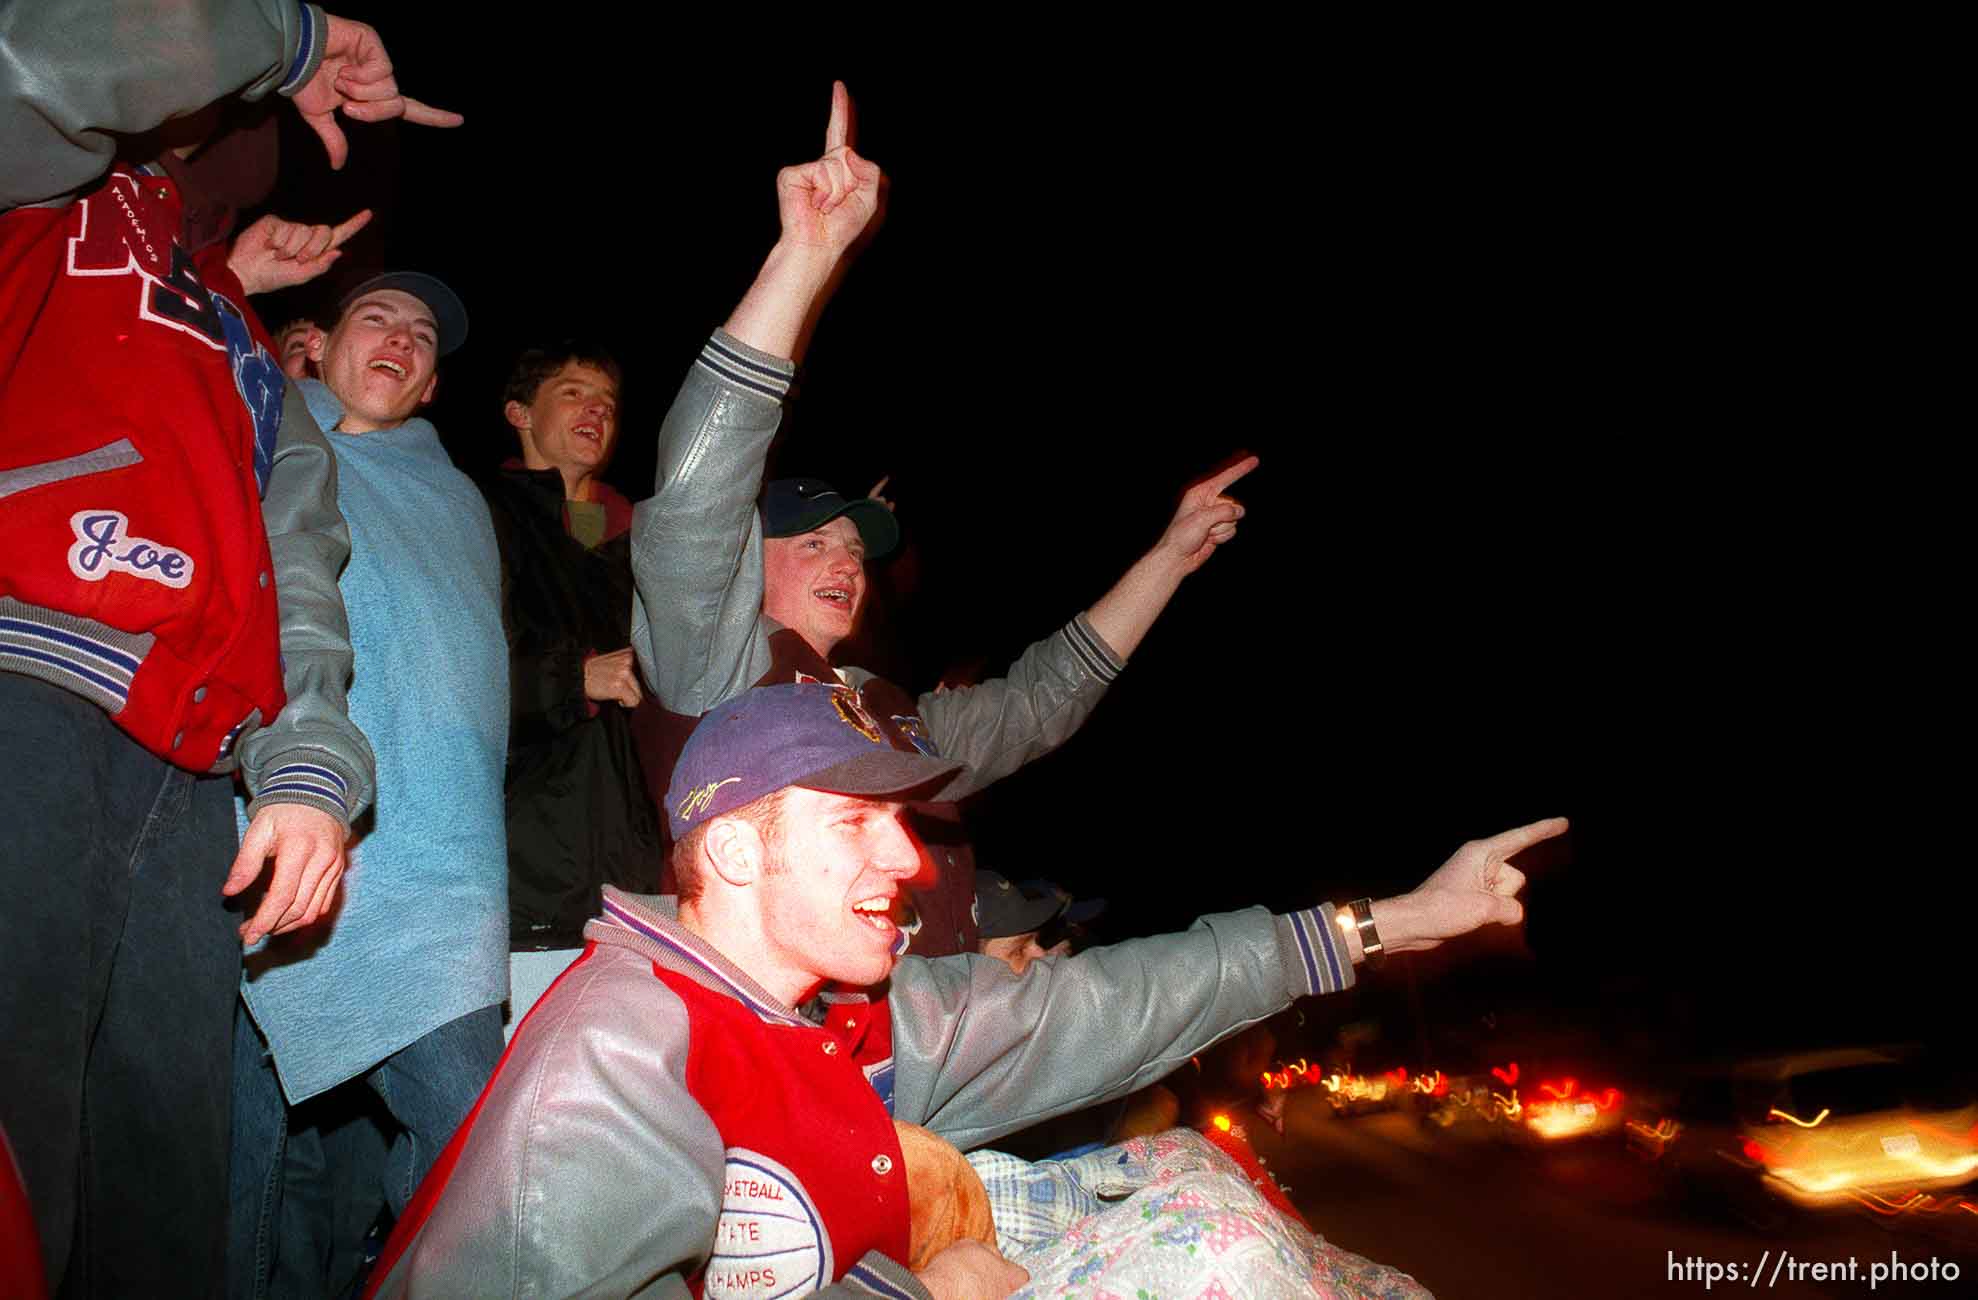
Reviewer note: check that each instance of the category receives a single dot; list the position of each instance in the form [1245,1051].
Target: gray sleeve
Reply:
[697,542]
[72,72]
[1047,695]
[979,1051]
[311,753]
[589,1169]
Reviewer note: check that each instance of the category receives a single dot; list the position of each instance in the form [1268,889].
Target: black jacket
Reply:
[579,814]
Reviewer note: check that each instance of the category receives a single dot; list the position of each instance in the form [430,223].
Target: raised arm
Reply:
[697,542]
[1204,520]
[1050,691]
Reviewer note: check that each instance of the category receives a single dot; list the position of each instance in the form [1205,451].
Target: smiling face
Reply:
[813,582]
[570,425]
[831,904]
[381,360]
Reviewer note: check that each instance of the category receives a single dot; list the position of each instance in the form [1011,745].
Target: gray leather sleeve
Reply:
[1003,723]
[72,72]
[980,1051]
[697,542]
[590,1169]
[310,543]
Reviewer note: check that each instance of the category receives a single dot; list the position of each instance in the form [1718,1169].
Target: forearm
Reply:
[1398,922]
[1124,614]
[1046,696]
[311,753]
[697,543]
[775,315]
[75,72]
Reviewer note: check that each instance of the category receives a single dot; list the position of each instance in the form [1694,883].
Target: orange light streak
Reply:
[1560,1091]
[1776,1113]
[1508,1077]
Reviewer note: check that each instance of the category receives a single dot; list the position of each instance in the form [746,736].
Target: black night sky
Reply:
[1543,523]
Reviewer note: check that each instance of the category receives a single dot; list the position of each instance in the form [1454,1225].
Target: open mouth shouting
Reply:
[837,598]
[395,368]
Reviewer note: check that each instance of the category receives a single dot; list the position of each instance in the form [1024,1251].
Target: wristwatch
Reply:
[1359,915]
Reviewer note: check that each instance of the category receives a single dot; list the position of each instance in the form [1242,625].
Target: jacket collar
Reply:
[617,510]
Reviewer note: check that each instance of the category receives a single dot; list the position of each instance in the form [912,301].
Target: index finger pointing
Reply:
[1230,475]
[1519,838]
[423,114]
[338,234]
[839,132]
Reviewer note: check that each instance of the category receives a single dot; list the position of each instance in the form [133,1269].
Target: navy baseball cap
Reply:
[808,734]
[449,313]
[794,506]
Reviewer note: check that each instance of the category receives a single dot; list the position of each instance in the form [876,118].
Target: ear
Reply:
[432,386]
[517,416]
[734,849]
[318,341]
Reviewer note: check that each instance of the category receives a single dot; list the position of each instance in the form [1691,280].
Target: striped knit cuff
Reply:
[312,779]
[876,1274]
[1092,650]
[1315,958]
[308,50]
[741,366]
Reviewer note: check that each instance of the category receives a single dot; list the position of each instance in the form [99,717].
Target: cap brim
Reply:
[1032,914]
[449,313]
[891,772]
[877,528]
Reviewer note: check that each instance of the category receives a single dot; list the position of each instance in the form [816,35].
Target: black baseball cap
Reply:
[1001,909]
[794,506]
[449,313]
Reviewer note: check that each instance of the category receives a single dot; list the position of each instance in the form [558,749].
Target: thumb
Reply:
[254,848]
[325,126]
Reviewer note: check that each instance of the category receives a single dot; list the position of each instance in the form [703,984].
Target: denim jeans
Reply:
[309,1180]
[118,973]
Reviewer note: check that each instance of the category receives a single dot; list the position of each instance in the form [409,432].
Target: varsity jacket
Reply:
[698,561]
[170,509]
[661,1126]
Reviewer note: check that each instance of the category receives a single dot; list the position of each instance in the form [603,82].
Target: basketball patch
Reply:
[770,1240]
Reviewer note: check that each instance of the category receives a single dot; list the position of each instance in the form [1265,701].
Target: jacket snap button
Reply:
[830,1047]
[882,1165]
[178,740]
[264,581]
[199,696]
[851,1024]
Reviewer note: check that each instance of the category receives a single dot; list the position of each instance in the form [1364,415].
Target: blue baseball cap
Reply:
[810,734]
[794,506]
